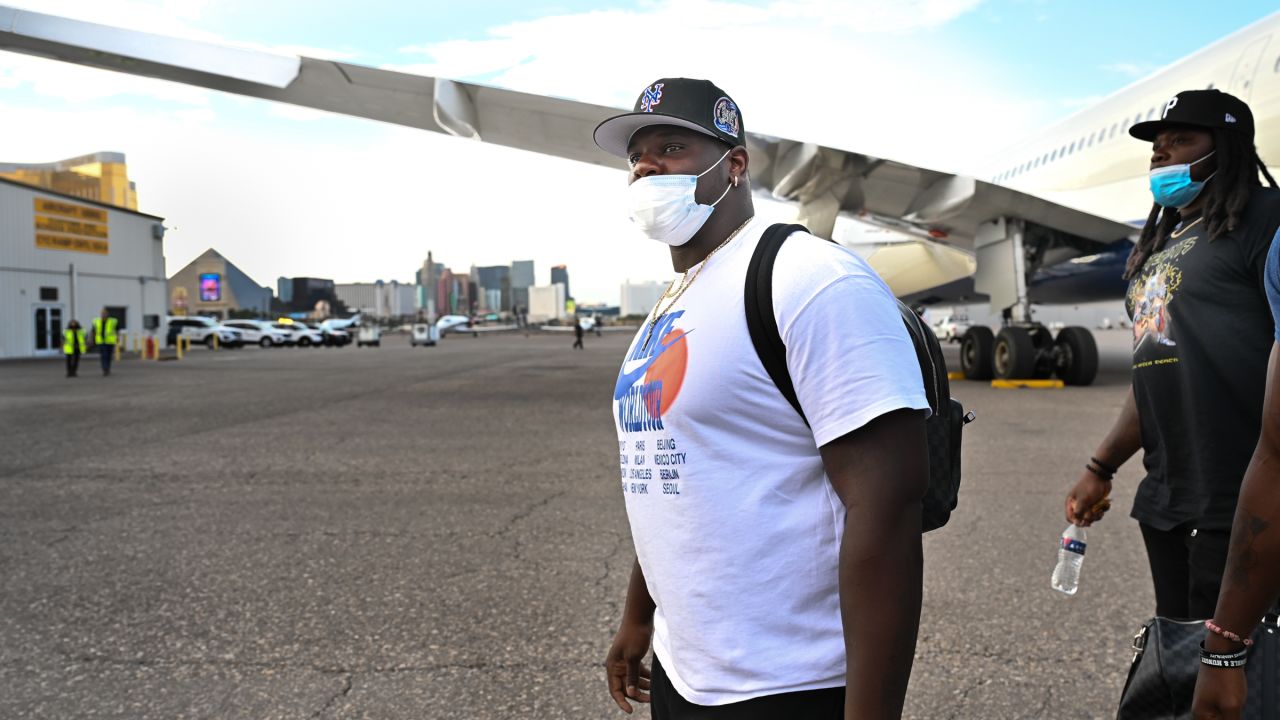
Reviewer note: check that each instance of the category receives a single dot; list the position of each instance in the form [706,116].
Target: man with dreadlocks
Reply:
[1202,335]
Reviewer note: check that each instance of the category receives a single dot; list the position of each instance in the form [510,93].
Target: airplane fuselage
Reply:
[1091,163]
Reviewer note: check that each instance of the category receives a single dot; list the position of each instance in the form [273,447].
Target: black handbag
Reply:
[1166,661]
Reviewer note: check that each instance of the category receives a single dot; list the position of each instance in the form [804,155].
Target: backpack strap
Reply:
[761,323]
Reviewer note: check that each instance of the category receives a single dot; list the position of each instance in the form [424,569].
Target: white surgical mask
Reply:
[664,208]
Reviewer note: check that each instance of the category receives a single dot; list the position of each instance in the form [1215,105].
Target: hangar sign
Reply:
[62,225]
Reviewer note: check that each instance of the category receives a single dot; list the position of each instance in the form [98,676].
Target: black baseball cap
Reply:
[1208,109]
[695,104]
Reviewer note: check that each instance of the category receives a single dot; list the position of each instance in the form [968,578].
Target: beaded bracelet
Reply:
[1217,630]
[1107,468]
[1102,474]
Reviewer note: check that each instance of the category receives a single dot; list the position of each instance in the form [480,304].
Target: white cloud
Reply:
[78,84]
[849,75]
[873,17]
[298,113]
[1077,103]
[172,18]
[1128,69]
[164,17]
[357,200]
[360,202]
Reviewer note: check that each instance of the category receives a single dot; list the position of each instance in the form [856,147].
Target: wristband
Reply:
[1106,468]
[1237,659]
[1100,473]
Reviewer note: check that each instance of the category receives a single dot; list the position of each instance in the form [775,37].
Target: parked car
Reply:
[423,334]
[369,335]
[336,338]
[300,333]
[951,328]
[200,329]
[259,331]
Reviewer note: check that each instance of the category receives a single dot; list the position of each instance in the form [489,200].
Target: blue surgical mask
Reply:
[1172,186]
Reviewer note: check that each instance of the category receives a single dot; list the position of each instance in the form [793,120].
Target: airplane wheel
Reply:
[1042,340]
[1076,356]
[975,353]
[1014,355]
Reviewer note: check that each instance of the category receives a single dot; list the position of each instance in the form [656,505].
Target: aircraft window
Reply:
[1091,139]
[1113,130]
[1071,148]
[1277,68]
[1151,113]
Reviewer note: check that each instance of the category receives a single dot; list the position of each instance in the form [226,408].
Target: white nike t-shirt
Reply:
[735,524]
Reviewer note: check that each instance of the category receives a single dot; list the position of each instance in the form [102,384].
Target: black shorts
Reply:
[1186,569]
[667,704]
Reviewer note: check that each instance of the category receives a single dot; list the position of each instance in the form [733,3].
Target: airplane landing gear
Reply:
[1026,352]
[1075,356]
[975,352]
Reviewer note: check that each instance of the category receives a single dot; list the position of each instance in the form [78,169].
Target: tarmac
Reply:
[403,532]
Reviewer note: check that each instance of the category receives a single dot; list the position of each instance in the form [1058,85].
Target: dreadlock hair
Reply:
[1225,198]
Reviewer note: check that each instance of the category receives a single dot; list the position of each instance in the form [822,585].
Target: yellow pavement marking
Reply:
[1033,384]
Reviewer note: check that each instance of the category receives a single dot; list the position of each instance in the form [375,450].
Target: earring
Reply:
[735,181]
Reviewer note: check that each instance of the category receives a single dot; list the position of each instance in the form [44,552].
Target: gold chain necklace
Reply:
[685,284]
[1179,232]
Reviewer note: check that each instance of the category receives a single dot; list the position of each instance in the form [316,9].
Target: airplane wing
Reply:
[942,212]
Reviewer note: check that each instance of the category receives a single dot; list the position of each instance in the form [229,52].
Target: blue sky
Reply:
[925,81]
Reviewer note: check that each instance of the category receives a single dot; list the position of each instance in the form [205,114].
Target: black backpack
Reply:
[944,425]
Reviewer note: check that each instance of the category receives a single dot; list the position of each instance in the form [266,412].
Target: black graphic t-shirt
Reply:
[1202,332]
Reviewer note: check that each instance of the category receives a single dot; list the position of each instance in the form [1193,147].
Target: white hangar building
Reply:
[64,257]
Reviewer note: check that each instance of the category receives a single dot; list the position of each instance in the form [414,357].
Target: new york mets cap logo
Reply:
[652,96]
[725,116]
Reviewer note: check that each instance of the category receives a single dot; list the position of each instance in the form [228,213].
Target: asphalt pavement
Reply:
[401,532]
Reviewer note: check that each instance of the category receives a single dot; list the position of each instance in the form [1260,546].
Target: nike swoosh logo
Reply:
[628,378]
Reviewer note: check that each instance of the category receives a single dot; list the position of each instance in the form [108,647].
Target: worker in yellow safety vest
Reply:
[104,338]
[73,346]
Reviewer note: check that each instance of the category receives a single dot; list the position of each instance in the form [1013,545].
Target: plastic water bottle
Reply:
[1066,576]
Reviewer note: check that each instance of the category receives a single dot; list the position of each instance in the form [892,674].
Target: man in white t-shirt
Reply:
[778,568]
